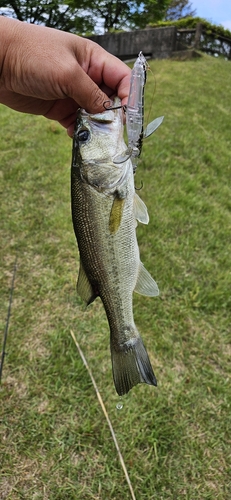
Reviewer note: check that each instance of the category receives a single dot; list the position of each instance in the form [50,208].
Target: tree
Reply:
[80,16]
[110,15]
[179,9]
[51,13]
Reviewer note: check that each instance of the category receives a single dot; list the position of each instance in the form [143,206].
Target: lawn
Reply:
[175,439]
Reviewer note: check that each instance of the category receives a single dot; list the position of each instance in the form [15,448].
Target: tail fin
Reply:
[131,365]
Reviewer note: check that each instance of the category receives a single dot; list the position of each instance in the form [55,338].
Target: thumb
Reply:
[87,93]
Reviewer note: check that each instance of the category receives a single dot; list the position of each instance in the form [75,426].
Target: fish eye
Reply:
[83,135]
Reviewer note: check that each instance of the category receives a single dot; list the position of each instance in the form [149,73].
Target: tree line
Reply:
[88,16]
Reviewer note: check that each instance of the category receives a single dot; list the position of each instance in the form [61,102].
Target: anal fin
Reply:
[145,284]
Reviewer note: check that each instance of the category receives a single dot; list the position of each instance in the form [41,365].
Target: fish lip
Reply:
[108,115]
[105,117]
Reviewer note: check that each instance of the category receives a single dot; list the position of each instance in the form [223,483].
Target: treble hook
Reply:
[138,189]
[108,108]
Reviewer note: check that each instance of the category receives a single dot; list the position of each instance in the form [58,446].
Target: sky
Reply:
[216,11]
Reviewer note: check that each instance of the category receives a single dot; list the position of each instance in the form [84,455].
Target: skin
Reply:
[52,73]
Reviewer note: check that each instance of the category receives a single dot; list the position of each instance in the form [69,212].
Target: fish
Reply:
[105,211]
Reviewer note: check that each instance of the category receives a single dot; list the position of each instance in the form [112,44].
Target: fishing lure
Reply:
[135,114]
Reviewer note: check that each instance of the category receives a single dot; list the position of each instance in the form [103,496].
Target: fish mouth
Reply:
[106,123]
[108,116]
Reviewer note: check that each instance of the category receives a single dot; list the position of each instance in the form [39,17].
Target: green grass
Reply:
[175,439]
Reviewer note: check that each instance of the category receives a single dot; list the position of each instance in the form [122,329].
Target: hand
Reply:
[53,73]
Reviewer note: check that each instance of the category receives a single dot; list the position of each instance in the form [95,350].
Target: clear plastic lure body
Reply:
[135,106]
[135,114]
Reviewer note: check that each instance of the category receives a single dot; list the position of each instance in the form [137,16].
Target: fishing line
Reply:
[8,319]
[153,93]
[105,414]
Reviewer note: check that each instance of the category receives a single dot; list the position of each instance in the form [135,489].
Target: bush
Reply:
[191,22]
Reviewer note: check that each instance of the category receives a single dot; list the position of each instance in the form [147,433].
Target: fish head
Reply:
[99,137]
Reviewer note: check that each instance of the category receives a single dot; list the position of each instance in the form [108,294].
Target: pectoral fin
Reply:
[140,210]
[116,214]
[84,288]
[145,284]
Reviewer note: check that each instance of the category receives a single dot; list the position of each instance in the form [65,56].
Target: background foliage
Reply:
[87,15]
[191,22]
[122,14]
[179,9]
[51,13]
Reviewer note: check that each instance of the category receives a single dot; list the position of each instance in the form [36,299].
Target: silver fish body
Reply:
[105,210]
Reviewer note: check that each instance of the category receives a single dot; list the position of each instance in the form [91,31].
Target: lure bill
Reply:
[135,114]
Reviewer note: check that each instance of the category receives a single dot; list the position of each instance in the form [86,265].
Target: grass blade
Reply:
[106,415]
[8,319]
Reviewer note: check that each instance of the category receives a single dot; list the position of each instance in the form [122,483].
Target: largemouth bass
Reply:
[105,210]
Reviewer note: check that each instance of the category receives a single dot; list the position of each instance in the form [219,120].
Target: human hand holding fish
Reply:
[52,73]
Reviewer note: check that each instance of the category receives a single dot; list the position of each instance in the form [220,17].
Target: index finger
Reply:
[109,71]
[117,75]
